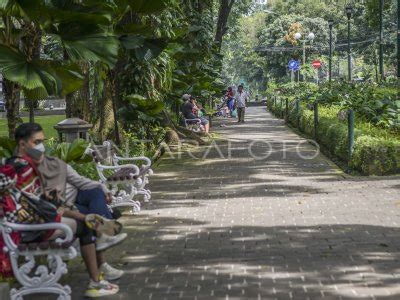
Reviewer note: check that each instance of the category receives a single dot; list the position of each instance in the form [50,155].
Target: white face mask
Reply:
[40,147]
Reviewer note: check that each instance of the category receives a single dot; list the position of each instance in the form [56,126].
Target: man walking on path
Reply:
[241,99]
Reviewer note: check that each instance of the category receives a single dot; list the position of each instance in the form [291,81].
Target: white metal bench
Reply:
[39,277]
[125,178]
[191,124]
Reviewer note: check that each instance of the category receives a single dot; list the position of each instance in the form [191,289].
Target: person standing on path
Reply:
[241,99]
[230,100]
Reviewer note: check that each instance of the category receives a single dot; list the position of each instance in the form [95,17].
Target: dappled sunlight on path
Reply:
[260,225]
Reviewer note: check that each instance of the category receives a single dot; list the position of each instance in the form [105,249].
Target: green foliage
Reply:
[374,155]
[70,152]
[377,150]
[240,59]
[273,35]
[7,147]
[373,103]
[92,47]
[173,56]
[145,6]
[87,170]
[138,108]
[249,33]
[78,30]
[39,78]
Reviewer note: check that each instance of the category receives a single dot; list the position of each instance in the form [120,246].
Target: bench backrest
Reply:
[103,154]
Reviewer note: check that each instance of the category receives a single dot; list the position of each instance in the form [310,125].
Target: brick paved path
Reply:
[279,227]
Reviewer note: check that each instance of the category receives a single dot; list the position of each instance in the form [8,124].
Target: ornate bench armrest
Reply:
[101,168]
[137,158]
[8,227]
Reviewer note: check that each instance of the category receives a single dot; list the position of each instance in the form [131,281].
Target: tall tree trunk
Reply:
[32,44]
[115,94]
[78,103]
[69,99]
[12,96]
[100,125]
[376,66]
[105,123]
[31,111]
[398,40]
[223,15]
[84,94]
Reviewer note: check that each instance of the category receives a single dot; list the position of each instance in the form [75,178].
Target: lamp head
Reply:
[311,36]
[330,23]
[297,35]
[349,11]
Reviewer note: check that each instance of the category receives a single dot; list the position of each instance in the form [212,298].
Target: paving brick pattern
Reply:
[263,223]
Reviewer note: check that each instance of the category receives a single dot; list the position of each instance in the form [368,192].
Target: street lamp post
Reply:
[398,39]
[381,69]
[330,24]
[310,37]
[349,12]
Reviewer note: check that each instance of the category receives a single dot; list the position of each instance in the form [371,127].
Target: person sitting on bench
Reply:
[188,110]
[54,175]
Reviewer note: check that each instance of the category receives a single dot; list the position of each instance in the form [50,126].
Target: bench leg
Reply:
[63,292]
[123,198]
[146,195]
[40,279]
[141,188]
[134,205]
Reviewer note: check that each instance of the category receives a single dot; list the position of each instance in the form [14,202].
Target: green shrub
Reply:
[372,103]
[376,156]
[377,151]
[333,135]
[86,169]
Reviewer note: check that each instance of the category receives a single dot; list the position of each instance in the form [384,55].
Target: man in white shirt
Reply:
[241,99]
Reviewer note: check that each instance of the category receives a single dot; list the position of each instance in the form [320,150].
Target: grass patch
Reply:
[47,123]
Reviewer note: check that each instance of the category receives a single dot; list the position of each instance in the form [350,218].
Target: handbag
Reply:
[234,113]
[35,210]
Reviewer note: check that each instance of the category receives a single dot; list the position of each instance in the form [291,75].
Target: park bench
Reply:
[38,276]
[122,174]
[191,124]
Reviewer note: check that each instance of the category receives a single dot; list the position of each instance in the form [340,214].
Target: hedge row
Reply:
[372,155]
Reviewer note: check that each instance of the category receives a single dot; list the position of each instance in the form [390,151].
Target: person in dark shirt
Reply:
[188,107]
[188,110]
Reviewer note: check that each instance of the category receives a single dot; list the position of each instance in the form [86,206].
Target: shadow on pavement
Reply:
[170,258]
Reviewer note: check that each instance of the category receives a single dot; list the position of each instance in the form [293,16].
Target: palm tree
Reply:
[77,27]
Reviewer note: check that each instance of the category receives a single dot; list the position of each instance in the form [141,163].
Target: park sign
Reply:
[294,65]
[317,64]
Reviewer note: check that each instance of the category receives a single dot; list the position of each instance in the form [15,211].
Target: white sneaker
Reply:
[105,241]
[101,289]
[110,273]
